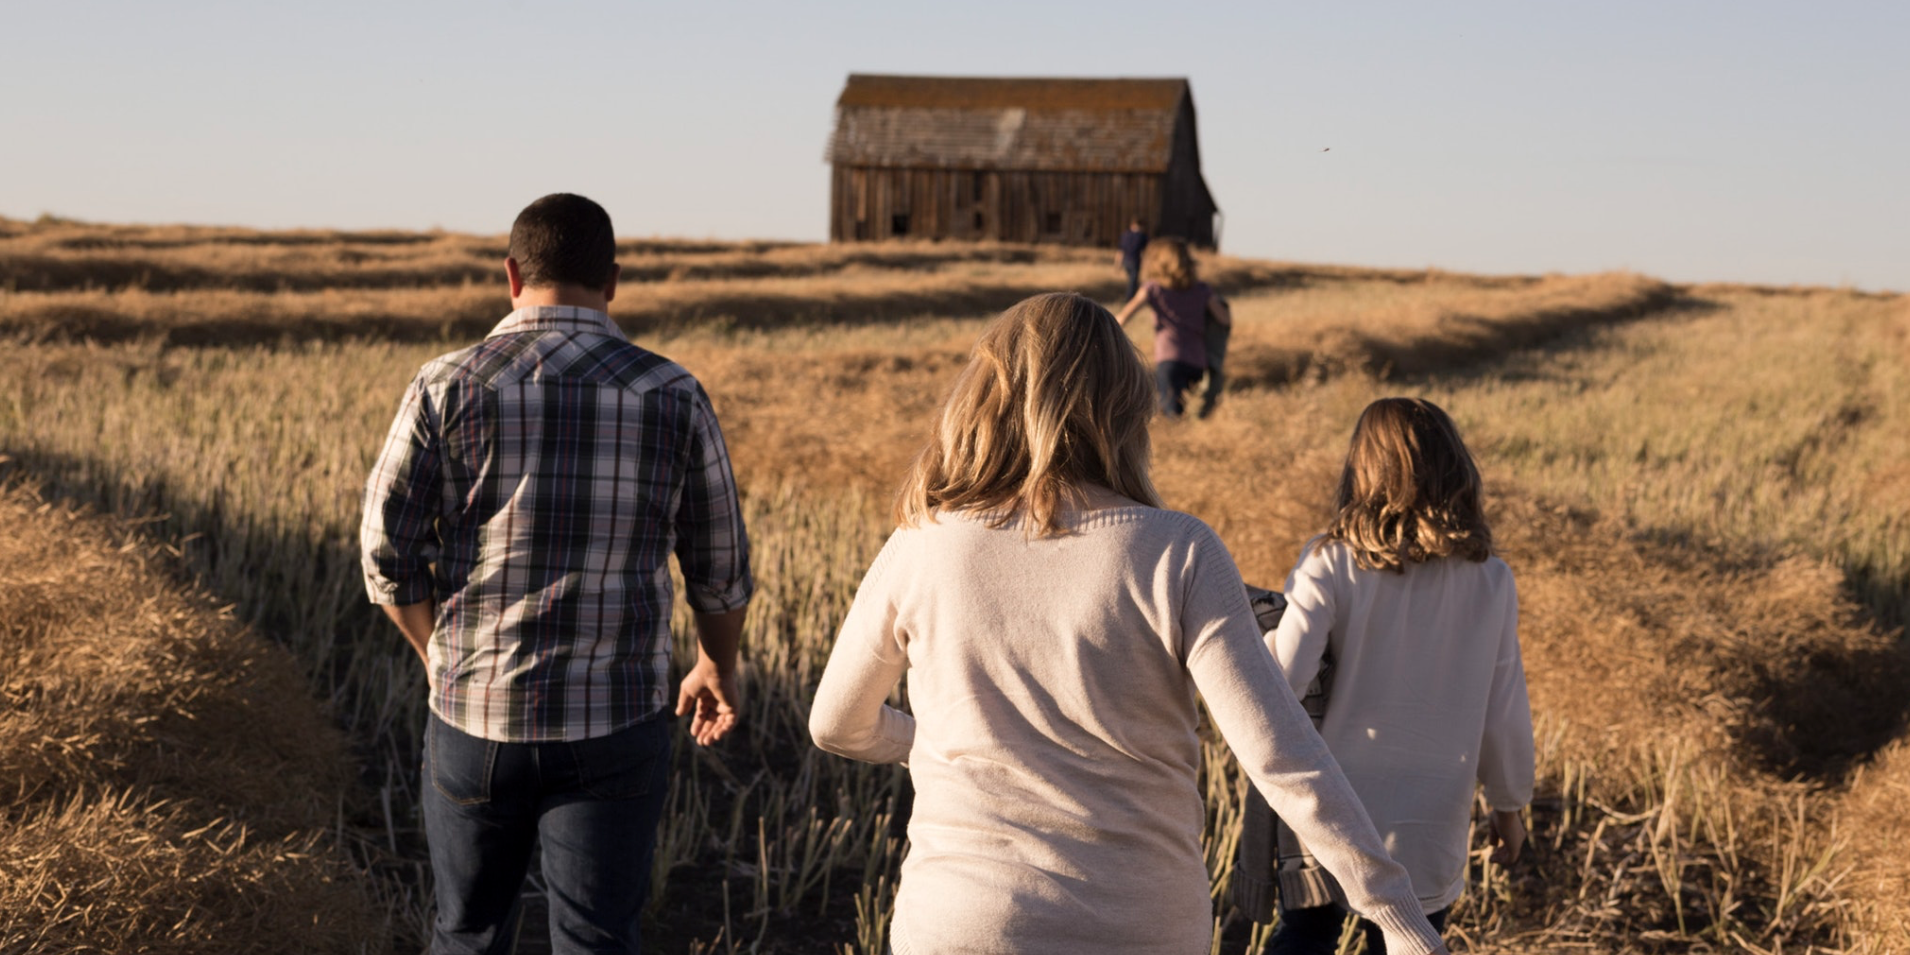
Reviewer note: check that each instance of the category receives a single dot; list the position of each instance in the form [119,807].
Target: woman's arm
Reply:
[1288,762]
[1133,305]
[851,716]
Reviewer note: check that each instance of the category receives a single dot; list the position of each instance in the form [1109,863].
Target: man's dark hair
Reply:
[564,239]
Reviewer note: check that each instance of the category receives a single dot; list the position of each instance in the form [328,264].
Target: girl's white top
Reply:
[1427,696]
[1054,744]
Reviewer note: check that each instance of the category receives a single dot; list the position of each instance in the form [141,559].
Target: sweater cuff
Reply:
[1407,931]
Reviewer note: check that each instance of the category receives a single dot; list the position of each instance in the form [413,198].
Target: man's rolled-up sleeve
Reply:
[712,548]
[398,537]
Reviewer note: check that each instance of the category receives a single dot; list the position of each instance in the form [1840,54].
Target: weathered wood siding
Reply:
[872,204]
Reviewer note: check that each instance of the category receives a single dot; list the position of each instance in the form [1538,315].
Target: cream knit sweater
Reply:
[1428,697]
[1054,743]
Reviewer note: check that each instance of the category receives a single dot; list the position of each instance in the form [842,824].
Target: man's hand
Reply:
[1508,834]
[710,698]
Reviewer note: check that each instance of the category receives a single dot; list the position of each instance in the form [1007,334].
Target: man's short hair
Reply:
[564,239]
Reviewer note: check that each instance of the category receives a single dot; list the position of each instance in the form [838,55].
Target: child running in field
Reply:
[1183,306]
[1418,622]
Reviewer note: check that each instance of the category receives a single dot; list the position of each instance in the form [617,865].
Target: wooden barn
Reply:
[1016,160]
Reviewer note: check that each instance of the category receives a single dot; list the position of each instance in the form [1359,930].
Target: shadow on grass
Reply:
[1825,712]
[1816,674]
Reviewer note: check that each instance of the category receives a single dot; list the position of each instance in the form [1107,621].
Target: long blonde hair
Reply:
[1410,491]
[1055,396]
[1169,262]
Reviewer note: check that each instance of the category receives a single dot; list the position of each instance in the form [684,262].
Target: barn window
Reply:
[1052,223]
[980,221]
[899,224]
[980,186]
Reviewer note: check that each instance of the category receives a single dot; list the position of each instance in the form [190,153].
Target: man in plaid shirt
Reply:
[518,526]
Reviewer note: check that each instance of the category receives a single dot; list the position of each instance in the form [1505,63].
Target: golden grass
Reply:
[1706,537]
[170,787]
[1775,422]
[1412,330]
[835,405]
[1872,815]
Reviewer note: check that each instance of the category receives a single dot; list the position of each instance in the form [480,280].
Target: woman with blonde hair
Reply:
[1054,621]
[1403,602]
[1186,311]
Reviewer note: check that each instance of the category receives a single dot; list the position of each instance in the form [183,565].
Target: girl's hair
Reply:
[1054,396]
[1168,262]
[1409,492]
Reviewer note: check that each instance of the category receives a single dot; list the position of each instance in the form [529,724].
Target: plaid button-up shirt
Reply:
[534,486]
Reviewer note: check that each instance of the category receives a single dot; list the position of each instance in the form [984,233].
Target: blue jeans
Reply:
[595,804]
[1173,378]
[1316,931]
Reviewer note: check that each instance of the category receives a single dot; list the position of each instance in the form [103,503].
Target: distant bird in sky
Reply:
[1327,149]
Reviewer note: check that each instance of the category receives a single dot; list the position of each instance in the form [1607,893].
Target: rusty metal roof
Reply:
[1111,125]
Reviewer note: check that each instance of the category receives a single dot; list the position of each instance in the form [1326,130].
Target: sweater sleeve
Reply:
[1300,642]
[851,716]
[1278,749]
[1506,761]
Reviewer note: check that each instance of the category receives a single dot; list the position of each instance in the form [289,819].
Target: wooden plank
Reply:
[879,203]
[835,202]
[997,207]
[934,225]
[859,199]
[838,204]
[1013,198]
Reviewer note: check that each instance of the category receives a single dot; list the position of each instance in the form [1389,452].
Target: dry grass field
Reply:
[1704,492]
[162,796]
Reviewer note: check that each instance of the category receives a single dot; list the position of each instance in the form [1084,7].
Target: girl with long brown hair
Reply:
[1054,621]
[1402,602]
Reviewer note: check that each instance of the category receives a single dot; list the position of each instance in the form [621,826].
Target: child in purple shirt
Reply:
[1183,306]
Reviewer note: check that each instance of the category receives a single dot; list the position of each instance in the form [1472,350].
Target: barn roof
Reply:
[1102,125]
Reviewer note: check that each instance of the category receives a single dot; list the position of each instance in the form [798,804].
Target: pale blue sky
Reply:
[1753,141]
